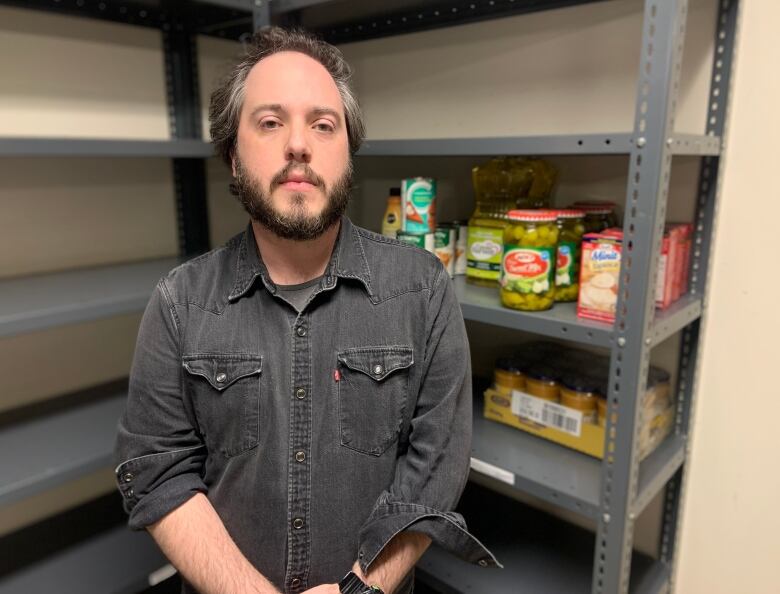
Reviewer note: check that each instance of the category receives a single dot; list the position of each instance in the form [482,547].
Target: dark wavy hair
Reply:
[228,98]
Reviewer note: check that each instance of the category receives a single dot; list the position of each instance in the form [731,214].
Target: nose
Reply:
[298,149]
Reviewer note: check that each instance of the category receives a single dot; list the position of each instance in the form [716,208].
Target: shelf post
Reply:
[189,174]
[663,34]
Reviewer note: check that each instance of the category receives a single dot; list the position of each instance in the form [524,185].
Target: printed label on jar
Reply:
[527,270]
[565,272]
[485,245]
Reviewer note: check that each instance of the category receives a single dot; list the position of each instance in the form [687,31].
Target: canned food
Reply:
[444,245]
[461,245]
[425,241]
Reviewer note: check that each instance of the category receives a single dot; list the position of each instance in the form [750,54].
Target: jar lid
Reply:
[581,383]
[395,191]
[604,203]
[656,375]
[593,209]
[569,213]
[531,216]
[543,373]
[508,364]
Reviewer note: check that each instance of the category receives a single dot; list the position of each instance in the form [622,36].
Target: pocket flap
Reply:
[377,362]
[222,370]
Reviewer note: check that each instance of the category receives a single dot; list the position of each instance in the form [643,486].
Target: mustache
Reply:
[309,174]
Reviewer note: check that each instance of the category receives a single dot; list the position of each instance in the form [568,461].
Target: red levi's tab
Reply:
[336,375]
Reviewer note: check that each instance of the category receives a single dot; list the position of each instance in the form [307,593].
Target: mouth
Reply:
[297,185]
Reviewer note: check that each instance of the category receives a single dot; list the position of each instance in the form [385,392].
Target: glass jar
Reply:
[508,376]
[612,218]
[540,381]
[571,228]
[528,266]
[597,218]
[580,394]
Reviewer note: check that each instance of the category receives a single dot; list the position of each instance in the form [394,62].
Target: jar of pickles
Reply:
[612,219]
[528,266]
[597,218]
[571,228]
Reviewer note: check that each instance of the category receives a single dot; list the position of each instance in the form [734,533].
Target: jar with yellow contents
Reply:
[528,265]
[571,228]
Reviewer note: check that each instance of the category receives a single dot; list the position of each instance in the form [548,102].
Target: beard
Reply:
[297,224]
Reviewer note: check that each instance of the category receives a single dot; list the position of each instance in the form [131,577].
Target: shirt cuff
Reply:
[446,529]
[154,485]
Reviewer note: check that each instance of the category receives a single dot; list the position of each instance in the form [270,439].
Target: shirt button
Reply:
[300,331]
[482,563]
[127,477]
[221,377]
[300,393]
[378,369]
[129,493]
[300,456]
[297,523]
[295,582]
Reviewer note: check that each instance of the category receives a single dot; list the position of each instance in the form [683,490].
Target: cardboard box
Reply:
[600,275]
[584,437]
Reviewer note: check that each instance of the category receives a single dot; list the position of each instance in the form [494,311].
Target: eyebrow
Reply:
[316,111]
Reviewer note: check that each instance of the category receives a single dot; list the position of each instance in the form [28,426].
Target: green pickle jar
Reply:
[528,265]
[571,228]
[597,218]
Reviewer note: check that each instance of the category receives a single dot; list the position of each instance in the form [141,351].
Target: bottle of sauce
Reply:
[391,222]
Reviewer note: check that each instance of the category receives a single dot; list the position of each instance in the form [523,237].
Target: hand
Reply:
[323,589]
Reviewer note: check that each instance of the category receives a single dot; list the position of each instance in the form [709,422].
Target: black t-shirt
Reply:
[298,295]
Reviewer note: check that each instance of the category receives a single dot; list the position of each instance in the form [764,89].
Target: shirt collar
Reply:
[347,261]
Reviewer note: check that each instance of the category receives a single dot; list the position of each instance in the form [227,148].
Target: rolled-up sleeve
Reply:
[158,453]
[432,473]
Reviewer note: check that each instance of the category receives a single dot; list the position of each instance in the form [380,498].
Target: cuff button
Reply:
[127,477]
[482,562]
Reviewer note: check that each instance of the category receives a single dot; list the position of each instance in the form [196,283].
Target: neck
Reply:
[291,262]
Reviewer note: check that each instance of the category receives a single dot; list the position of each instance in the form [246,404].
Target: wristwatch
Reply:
[352,584]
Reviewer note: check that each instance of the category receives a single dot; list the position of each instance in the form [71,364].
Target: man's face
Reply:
[292,165]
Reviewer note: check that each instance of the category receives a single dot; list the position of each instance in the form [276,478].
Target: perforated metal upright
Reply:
[646,199]
[189,175]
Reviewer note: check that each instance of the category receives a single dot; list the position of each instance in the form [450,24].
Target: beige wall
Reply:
[730,529]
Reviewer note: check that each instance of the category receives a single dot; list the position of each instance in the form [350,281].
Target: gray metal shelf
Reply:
[540,554]
[559,475]
[44,453]
[608,143]
[47,300]
[582,144]
[114,562]
[482,304]
[97,147]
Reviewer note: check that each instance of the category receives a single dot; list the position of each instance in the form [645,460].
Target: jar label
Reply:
[527,270]
[484,249]
[565,267]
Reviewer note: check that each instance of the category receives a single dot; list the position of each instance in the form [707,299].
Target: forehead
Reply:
[292,80]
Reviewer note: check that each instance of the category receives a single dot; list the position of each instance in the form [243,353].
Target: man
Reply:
[300,400]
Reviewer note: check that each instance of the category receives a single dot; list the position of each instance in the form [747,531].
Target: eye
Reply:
[268,124]
[324,126]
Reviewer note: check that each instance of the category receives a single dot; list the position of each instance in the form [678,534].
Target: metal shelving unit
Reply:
[48,300]
[552,556]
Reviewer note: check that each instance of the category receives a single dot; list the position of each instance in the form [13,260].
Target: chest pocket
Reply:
[225,391]
[372,393]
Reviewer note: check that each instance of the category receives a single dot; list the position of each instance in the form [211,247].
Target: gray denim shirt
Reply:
[317,436]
